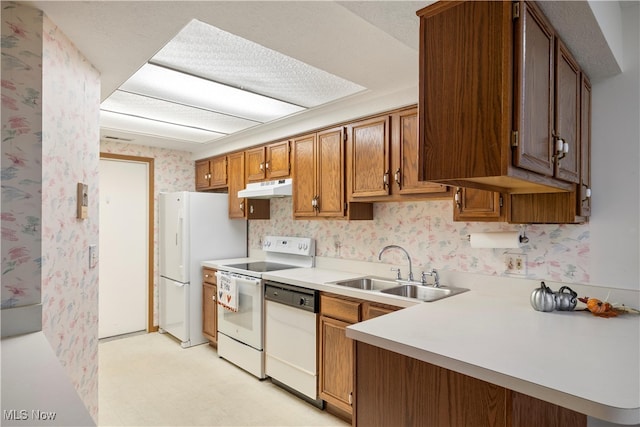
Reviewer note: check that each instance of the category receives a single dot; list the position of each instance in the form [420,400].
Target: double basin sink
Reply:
[401,288]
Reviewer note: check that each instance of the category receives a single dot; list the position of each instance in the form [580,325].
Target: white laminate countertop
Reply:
[35,388]
[574,359]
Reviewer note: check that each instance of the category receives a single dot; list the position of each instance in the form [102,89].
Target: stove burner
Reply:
[261,266]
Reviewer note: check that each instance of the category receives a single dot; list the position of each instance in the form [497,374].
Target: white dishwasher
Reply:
[291,322]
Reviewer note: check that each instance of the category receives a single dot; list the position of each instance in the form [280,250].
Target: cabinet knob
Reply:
[261,167]
[242,206]
[206,275]
[213,298]
[266,166]
[396,176]
[385,179]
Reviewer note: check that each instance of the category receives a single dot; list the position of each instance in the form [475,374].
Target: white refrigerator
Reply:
[194,227]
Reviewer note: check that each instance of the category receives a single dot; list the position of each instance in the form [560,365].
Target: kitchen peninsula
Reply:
[564,365]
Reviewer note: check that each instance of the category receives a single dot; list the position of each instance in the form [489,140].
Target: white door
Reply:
[123,250]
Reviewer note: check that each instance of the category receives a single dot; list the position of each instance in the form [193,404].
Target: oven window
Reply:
[244,317]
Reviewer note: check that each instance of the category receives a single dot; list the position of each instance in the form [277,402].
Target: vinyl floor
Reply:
[149,380]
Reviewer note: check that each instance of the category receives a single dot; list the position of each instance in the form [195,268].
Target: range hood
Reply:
[267,189]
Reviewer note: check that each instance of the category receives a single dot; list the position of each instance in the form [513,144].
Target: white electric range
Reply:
[241,332]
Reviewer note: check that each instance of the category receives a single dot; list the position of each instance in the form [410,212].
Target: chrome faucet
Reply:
[405,252]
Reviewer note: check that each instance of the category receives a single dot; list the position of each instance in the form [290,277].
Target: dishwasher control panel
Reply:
[293,296]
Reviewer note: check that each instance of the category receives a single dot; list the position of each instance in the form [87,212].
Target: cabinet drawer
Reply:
[340,308]
[209,276]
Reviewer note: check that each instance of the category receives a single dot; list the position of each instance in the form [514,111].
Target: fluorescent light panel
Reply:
[140,125]
[163,83]
[171,112]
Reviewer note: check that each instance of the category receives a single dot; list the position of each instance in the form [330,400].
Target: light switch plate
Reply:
[93,256]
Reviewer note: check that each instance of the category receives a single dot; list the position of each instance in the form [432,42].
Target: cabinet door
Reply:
[236,183]
[277,162]
[330,172]
[368,158]
[218,173]
[336,364]
[404,160]
[304,175]
[534,101]
[567,118]
[203,174]
[477,205]
[255,164]
[584,189]
[371,310]
[209,312]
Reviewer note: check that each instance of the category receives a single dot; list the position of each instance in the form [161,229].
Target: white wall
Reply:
[615,160]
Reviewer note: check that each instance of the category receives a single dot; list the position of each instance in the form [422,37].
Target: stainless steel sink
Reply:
[368,283]
[423,293]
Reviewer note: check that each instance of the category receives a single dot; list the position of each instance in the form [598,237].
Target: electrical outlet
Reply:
[515,264]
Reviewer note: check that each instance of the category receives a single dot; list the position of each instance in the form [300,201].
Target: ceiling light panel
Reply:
[207,51]
[162,83]
[170,112]
[123,122]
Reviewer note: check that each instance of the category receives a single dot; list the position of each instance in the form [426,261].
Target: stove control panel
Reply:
[289,245]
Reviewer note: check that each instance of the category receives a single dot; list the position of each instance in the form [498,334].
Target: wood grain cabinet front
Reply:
[241,207]
[382,160]
[498,99]
[337,352]
[398,390]
[268,162]
[209,305]
[471,204]
[318,178]
[211,173]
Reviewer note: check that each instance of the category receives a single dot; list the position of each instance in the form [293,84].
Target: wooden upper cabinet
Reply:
[330,173]
[468,72]
[368,164]
[278,162]
[304,174]
[584,189]
[562,208]
[471,204]
[534,69]
[404,158]
[567,117]
[211,173]
[318,175]
[268,162]
[236,183]
[254,162]
[240,207]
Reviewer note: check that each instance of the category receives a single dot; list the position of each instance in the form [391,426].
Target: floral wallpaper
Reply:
[427,231]
[50,133]
[173,171]
[21,155]
[70,154]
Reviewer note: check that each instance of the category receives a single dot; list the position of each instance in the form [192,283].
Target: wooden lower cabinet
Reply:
[337,352]
[209,305]
[396,390]
[337,358]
